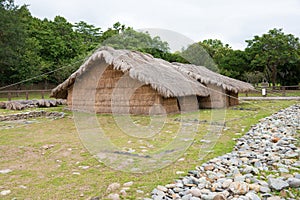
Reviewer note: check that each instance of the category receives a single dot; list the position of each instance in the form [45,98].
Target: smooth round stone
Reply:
[254,187]
[177,189]
[226,183]
[294,182]
[264,189]
[186,197]
[208,196]
[170,186]
[195,192]
[283,170]
[5,192]
[128,184]
[252,196]
[277,184]
[274,198]
[195,198]
[209,167]
[162,188]
[239,188]
[239,178]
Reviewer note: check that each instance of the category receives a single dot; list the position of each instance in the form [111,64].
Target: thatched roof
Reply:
[206,76]
[157,73]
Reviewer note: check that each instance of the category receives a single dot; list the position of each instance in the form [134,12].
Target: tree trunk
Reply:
[274,76]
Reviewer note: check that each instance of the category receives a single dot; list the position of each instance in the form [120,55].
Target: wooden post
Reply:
[42,94]
[27,95]
[283,91]
[9,96]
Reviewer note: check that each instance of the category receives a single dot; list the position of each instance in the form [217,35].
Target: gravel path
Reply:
[268,98]
[263,165]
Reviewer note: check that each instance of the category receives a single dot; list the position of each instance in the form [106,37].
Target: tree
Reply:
[89,33]
[127,38]
[197,55]
[277,55]
[233,63]
[12,40]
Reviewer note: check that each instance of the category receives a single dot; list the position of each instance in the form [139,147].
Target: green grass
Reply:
[48,174]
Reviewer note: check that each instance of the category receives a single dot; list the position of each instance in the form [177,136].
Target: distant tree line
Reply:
[31,47]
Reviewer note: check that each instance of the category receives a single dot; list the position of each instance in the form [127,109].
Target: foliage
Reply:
[253,77]
[197,55]
[48,51]
[277,55]
[12,40]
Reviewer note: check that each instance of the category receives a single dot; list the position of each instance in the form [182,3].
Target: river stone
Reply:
[264,189]
[5,171]
[274,198]
[226,183]
[162,188]
[252,196]
[128,184]
[195,192]
[277,184]
[209,168]
[113,187]
[208,196]
[5,192]
[283,170]
[239,187]
[254,187]
[294,182]
[219,197]
[113,197]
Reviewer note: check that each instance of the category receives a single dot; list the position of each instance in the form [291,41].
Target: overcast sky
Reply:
[232,21]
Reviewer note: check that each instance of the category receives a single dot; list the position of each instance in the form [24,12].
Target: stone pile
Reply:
[32,114]
[23,104]
[263,165]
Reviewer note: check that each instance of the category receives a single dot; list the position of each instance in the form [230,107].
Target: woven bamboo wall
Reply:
[232,98]
[216,99]
[141,101]
[188,103]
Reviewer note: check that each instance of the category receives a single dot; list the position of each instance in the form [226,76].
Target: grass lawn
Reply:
[47,156]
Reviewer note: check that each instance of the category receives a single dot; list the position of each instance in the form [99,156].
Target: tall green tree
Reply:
[277,55]
[127,38]
[90,34]
[233,63]
[12,40]
[196,54]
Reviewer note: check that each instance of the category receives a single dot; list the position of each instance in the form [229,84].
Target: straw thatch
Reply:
[208,77]
[122,81]
[159,74]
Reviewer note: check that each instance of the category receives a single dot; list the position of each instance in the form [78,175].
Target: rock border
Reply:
[24,104]
[263,165]
[31,114]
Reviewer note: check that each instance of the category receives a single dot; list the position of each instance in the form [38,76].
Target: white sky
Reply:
[232,21]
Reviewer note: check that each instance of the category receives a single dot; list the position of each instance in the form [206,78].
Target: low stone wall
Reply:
[32,114]
[23,104]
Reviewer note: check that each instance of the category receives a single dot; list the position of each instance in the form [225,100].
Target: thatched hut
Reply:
[123,81]
[223,90]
